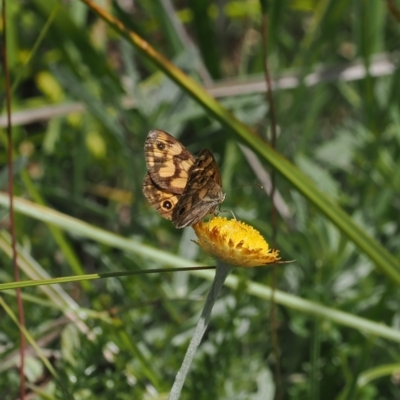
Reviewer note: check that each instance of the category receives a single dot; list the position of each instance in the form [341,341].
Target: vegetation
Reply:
[87,90]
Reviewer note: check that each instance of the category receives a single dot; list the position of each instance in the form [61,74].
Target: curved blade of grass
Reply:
[84,229]
[383,259]
[28,336]
[21,71]
[376,373]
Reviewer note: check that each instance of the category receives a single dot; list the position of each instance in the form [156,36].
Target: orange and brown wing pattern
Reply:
[168,161]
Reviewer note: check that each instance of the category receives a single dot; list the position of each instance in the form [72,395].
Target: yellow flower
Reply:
[235,243]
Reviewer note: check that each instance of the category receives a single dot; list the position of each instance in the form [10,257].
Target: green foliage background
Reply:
[98,97]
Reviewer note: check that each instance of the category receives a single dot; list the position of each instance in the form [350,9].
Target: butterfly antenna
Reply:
[233,215]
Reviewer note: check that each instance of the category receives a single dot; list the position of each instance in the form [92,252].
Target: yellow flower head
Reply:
[234,242]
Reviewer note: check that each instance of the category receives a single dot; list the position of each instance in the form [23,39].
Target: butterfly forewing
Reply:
[168,161]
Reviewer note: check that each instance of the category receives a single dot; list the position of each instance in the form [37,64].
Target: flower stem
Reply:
[221,273]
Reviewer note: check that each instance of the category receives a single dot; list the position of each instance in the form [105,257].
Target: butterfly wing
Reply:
[168,161]
[202,194]
[160,199]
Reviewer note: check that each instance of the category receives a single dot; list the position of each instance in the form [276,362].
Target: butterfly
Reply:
[180,187]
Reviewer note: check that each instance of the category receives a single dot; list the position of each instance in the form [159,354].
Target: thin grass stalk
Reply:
[11,207]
